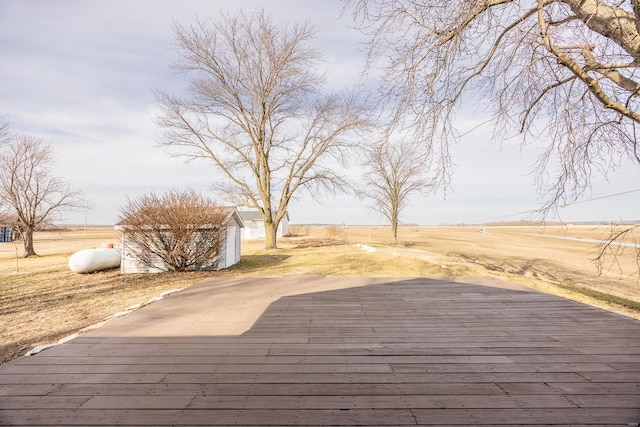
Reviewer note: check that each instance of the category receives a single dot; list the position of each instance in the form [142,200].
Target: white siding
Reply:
[283,228]
[229,253]
[229,259]
[130,262]
[254,229]
[231,248]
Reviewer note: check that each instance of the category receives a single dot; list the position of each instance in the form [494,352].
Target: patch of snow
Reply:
[38,349]
[366,247]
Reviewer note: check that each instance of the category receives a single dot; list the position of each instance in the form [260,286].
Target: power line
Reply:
[533,211]
[529,212]
[600,198]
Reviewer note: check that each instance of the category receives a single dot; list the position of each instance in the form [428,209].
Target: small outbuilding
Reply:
[254,225]
[228,256]
[6,234]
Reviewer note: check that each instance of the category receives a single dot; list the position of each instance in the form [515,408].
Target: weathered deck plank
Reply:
[406,352]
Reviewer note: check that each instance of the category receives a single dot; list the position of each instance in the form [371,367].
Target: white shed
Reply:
[254,225]
[229,254]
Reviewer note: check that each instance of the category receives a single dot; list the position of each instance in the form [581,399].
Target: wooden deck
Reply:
[400,352]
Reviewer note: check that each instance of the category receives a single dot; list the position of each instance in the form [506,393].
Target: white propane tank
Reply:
[90,260]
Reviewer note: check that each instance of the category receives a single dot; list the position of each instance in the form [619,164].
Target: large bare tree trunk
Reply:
[27,237]
[270,231]
[394,230]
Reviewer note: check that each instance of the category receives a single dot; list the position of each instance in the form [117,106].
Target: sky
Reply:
[81,75]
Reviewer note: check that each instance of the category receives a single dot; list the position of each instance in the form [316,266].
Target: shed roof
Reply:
[255,215]
[252,215]
[232,214]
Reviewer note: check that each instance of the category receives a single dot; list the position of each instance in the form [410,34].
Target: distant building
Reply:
[254,224]
[229,253]
[6,234]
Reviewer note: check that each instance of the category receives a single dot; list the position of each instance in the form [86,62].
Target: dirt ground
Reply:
[42,301]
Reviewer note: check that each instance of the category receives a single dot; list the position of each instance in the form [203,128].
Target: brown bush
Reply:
[177,231]
[336,232]
[299,230]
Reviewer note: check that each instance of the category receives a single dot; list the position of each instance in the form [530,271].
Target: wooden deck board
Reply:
[407,352]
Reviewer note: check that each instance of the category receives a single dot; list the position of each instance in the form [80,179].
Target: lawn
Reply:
[42,301]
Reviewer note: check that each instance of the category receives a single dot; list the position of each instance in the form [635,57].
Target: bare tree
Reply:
[4,130]
[561,71]
[178,230]
[622,239]
[28,189]
[256,111]
[394,173]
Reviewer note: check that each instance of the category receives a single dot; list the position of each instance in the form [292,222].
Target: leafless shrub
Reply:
[336,232]
[176,231]
[299,230]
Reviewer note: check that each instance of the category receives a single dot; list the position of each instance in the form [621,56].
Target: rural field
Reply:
[42,301]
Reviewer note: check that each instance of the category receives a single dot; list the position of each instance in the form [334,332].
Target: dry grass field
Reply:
[555,259]
[42,301]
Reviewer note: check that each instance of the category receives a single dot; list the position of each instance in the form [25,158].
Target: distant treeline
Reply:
[521,223]
[557,223]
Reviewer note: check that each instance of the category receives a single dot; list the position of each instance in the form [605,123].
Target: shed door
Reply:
[231,247]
